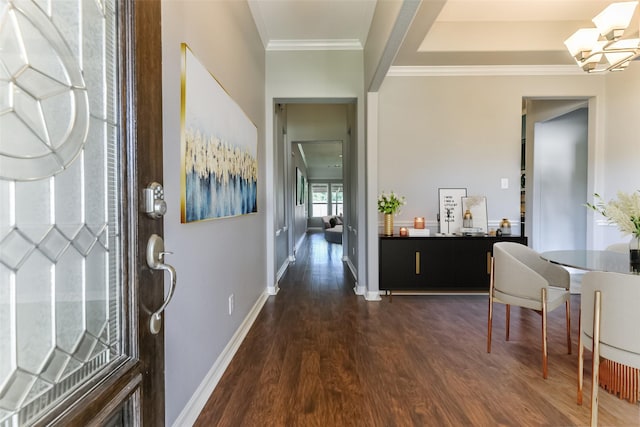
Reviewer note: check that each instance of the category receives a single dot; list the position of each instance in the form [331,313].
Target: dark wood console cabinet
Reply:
[437,263]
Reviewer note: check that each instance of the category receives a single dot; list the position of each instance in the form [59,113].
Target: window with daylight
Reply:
[320,199]
[336,199]
[326,199]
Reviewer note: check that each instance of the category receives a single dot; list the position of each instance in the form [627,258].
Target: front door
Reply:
[80,138]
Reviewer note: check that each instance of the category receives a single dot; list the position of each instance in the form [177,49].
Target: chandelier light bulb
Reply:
[621,52]
[614,19]
[582,42]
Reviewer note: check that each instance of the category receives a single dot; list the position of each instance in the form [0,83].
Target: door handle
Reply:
[155,261]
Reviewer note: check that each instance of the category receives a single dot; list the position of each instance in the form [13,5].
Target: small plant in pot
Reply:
[389,205]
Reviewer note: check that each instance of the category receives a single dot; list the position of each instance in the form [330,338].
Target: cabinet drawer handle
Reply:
[488,262]
[417,262]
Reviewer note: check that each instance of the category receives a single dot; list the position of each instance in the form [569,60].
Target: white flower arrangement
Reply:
[623,212]
[473,201]
[390,204]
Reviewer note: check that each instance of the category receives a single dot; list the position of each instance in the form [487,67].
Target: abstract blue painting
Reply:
[218,147]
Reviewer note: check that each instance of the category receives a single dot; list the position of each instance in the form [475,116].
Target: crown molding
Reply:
[485,70]
[315,44]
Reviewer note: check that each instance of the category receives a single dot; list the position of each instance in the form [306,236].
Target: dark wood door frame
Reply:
[147,123]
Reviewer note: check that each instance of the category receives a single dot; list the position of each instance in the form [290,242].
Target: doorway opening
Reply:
[556,146]
[315,167]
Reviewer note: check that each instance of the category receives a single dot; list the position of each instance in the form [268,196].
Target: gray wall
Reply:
[439,132]
[560,182]
[352,190]
[299,211]
[283,206]
[215,258]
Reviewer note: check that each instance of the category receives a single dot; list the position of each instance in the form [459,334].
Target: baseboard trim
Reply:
[359,290]
[352,268]
[194,406]
[273,290]
[372,296]
[282,270]
[427,293]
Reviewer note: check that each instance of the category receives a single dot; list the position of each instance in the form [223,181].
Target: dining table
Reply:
[590,260]
[616,378]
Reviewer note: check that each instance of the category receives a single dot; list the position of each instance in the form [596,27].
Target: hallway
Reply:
[318,355]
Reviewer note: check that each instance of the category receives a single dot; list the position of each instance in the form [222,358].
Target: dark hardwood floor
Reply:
[318,355]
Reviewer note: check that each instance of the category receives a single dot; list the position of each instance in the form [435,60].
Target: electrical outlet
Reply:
[230,304]
[504,183]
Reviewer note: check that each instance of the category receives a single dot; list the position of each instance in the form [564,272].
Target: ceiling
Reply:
[442,33]
[323,159]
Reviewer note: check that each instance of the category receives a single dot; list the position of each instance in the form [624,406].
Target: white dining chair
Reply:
[609,319]
[520,277]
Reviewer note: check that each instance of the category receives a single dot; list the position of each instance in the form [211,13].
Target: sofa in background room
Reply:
[332,228]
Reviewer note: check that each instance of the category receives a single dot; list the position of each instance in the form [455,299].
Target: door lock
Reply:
[154,205]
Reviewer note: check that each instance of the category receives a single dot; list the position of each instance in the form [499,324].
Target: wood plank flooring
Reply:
[318,355]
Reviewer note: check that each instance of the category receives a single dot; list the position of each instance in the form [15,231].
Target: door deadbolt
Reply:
[154,205]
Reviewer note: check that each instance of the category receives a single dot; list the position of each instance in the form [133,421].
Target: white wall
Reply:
[622,150]
[213,259]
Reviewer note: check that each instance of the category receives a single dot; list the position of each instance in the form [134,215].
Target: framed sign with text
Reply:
[450,211]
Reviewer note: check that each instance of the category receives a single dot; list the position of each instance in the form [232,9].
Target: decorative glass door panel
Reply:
[61,294]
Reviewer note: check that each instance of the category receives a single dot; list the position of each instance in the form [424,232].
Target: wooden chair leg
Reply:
[595,369]
[580,360]
[489,324]
[490,317]
[567,306]
[544,333]
[508,316]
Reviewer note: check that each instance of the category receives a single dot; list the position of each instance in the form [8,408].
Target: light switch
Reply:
[504,183]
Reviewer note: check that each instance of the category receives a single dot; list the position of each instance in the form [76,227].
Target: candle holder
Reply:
[404,232]
[418,222]
[467,219]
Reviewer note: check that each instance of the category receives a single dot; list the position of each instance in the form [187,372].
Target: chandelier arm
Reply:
[587,45]
[622,61]
[614,50]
